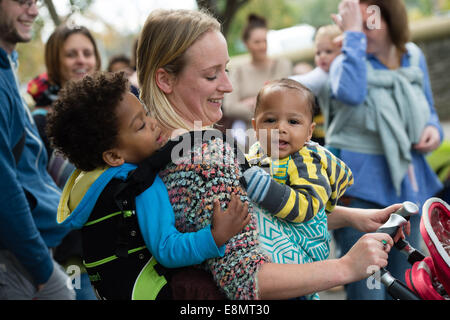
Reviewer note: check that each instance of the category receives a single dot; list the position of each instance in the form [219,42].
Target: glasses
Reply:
[27,4]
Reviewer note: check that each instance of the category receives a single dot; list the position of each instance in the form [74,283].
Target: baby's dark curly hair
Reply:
[83,123]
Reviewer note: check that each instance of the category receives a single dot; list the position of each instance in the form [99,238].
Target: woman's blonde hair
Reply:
[163,42]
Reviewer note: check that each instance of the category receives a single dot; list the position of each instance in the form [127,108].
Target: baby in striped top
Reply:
[293,178]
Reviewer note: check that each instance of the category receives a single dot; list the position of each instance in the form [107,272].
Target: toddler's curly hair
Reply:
[83,123]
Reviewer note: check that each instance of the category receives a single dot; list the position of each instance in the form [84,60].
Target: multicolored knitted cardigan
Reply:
[205,171]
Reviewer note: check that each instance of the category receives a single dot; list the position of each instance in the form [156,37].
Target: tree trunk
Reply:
[226,16]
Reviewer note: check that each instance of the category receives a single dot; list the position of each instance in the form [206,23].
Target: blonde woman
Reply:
[182,58]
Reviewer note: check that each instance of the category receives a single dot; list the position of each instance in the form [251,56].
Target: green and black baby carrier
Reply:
[115,256]
[119,264]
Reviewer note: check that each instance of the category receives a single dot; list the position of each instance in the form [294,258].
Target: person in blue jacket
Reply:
[105,131]
[380,119]
[29,197]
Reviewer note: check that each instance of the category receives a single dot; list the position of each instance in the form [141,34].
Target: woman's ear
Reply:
[164,80]
[113,158]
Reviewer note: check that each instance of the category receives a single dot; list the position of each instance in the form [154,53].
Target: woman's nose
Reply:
[225,84]
[80,58]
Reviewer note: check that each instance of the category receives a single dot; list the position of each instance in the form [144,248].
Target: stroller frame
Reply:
[422,288]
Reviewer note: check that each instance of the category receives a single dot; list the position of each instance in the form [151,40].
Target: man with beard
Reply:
[28,196]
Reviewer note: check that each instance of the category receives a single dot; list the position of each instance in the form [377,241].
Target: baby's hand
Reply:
[226,224]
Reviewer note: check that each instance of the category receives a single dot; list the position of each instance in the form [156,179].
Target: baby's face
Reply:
[326,52]
[139,134]
[283,121]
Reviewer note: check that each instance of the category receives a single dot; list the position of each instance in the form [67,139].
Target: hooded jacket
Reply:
[28,194]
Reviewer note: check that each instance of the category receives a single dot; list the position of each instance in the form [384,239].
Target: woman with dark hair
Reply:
[248,78]
[70,53]
[380,119]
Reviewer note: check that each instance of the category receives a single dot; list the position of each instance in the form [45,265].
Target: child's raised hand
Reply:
[226,224]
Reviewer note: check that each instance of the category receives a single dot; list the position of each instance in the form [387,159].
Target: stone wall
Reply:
[437,53]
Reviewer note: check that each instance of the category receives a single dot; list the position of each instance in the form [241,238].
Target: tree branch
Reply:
[53,14]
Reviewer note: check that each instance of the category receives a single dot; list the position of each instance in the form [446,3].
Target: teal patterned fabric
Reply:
[296,243]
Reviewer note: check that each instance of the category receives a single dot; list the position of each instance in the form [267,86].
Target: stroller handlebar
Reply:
[408,208]
[392,225]
[411,253]
[397,220]
[396,288]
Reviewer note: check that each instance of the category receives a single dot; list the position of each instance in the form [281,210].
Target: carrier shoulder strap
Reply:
[144,175]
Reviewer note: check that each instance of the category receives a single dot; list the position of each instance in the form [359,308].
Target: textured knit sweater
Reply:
[204,172]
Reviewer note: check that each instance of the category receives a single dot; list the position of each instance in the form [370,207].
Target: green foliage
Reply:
[279,14]
[31,60]
[428,7]
[317,12]
[425,7]
[286,13]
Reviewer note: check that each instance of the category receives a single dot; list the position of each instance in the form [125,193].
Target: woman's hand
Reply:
[429,141]
[369,220]
[367,255]
[226,224]
[349,17]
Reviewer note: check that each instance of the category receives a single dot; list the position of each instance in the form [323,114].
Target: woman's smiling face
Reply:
[198,91]
[77,57]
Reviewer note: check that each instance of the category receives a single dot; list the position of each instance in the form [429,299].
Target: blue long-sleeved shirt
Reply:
[170,247]
[348,79]
[28,196]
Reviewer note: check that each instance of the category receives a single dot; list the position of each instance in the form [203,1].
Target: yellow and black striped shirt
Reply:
[303,184]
